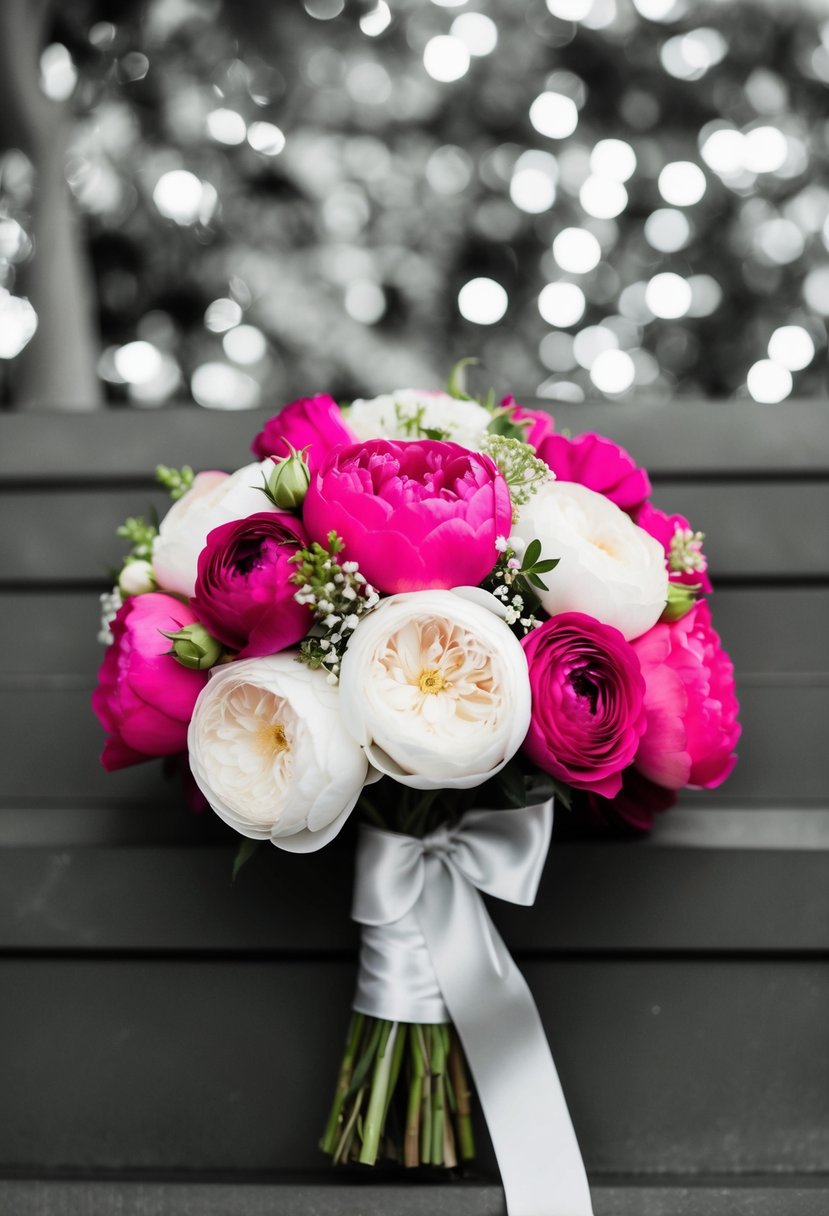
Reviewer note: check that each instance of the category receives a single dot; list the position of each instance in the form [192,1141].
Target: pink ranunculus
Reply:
[244,594]
[144,697]
[687,563]
[541,424]
[598,463]
[690,703]
[315,423]
[414,516]
[588,702]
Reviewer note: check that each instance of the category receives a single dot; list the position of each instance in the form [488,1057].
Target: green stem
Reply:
[374,1028]
[411,1141]
[396,1064]
[377,1103]
[460,1084]
[355,1030]
[344,1145]
[426,1103]
[438,1064]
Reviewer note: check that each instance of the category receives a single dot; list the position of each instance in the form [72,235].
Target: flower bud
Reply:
[289,481]
[194,647]
[136,579]
[681,599]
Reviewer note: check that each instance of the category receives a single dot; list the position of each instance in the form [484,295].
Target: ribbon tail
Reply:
[498,1023]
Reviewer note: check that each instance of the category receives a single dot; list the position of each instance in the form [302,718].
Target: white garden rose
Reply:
[270,752]
[436,689]
[213,499]
[410,413]
[608,567]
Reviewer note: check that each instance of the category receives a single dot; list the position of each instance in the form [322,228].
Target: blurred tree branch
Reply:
[57,370]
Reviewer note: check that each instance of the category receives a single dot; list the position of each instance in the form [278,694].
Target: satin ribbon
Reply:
[432,954]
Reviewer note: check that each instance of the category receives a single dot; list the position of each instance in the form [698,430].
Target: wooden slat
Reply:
[148,1065]
[165,899]
[70,535]
[782,750]
[799,1196]
[665,437]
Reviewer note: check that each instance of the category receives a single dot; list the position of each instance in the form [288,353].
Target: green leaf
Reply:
[243,854]
[433,432]
[531,555]
[502,424]
[456,384]
[536,581]
[549,563]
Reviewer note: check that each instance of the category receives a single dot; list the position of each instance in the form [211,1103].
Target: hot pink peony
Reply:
[144,697]
[683,547]
[540,423]
[636,805]
[690,703]
[413,515]
[243,594]
[598,463]
[313,422]
[588,712]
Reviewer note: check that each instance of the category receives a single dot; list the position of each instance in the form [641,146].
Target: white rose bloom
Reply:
[270,752]
[213,499]
[609,568]
[408,412]
[436,689]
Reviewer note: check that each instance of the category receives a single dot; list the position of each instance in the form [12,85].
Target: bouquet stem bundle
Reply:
[402,1094]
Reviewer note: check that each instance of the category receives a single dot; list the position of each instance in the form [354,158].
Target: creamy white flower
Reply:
[136,578]
[609,568]
[213,499]
[409,412]
[270,752]
[436,689]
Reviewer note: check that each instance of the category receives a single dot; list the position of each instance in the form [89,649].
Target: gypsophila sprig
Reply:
[140,534]
[338,595]
[514,578]
[177,481]
[519,466]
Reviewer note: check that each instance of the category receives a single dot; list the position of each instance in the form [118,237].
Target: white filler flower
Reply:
[609,568]
[411,413]
[213,499]
[436,689]
[270,752]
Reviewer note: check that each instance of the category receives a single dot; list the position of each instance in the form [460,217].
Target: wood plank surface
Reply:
[653,900]
[769,532]
[665,437]
[228,1065]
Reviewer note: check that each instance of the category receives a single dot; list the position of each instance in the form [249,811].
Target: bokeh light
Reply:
[768,382]
[682,183]
[446,58]
[562,304]
[482,301]
[792,347]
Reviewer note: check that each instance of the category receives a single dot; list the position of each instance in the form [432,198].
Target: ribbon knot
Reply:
[430,953]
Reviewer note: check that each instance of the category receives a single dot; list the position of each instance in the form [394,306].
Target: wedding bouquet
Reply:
[441,612]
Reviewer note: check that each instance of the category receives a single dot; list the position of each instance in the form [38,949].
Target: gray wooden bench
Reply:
[168,1041]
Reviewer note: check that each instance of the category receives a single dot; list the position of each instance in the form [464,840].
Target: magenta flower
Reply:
[315,423]
[541,424]
[690,703]
[244,595]
[588,712]
[636,805]
[413,515]
[145,698]
[687,563]
[598,463]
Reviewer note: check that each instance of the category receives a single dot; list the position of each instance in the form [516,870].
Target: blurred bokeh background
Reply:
[235,204]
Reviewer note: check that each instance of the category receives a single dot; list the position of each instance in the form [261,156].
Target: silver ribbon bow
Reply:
[431,954]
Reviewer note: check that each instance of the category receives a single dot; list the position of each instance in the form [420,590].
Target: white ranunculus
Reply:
[609,568]
[436,689]
[213,499]
[270,752]
[409,412]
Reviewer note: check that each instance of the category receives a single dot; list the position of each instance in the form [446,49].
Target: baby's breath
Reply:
[520,468]
[338,595]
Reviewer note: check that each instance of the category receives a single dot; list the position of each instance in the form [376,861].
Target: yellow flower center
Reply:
[431,681]
[272,738]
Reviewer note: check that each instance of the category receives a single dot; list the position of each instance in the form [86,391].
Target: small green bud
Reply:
[194,647]
[289,481]
[681,599]
[136,578]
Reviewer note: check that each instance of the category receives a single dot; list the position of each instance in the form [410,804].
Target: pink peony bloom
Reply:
[687,563]
[313,422]
[541,424]
[244,595]
[690,703]
[588,712]
[598,463]
[144,697]
[414,516]
[636,805]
